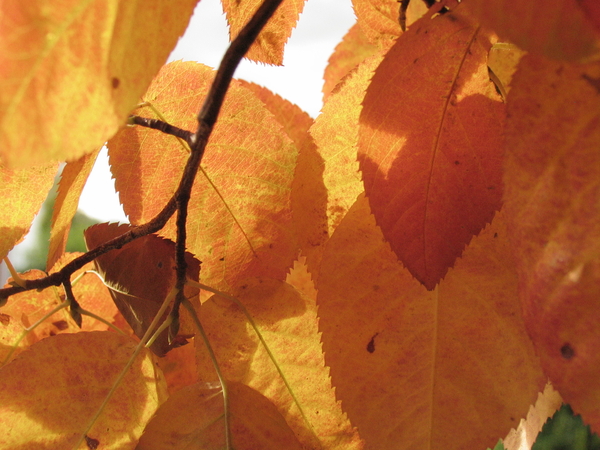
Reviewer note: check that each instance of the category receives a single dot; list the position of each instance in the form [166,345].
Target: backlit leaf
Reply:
[193,418]
[558,29]
[71,72]
[353,49]
[72,180]
[336,136]
[22,192]
[268,47]
[553,175]
[140,275]
[308,196]
[378,20]
[249,159]
[429,365]
[288,322]
[431,155]
[68,377]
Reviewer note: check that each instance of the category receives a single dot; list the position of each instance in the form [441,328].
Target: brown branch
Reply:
[197,141]
[159,125]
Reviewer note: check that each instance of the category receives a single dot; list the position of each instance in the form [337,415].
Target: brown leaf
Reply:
[140,275]
[413,368]
[193,418]
[553,180]
[431,156]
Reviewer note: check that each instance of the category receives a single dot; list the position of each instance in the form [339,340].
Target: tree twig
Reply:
[197,142]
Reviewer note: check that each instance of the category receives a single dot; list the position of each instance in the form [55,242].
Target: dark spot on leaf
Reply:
[222,259]
[4,319]
[495,235]
[115,82]
[567,351]
[61,324]
[457,162]
[376,287]
[595,82]
[91,442]
[371,344]
[159,265]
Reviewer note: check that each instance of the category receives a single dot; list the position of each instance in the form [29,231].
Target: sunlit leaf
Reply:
[68,377]
[309,196]
[553,179]
[71,72]
[430,146]
[268,47]
[353,49]
[558,29]
[193,418]
[288,322]
[22,192]
[140,276]
[70,186]
[336,134]
[248,231]
[378,20]
[413,368]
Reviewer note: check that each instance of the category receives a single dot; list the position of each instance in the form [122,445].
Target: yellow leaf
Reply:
[68,377]
[288,322]
[71,72]
[268,47]
[193,418]
[22,192]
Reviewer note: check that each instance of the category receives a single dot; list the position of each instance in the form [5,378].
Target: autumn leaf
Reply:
[287,321]
[308,196]
[239,222]
[268,47]
[378,20]
[352,50]
[194,417]
[336,137]
[72,180]
[553,179]
[68,378]
[558,29]
[414,368]
[71,72]
[24,310]
[431,157]
[140,276]
[22,192]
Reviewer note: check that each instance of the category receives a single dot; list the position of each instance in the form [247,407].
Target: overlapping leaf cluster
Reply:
[419,260]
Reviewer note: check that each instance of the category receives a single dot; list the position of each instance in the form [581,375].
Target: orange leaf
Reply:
[378,20]
[68,377]
[308,196]
[72,180]
[268,47]
[288,322]
[140,276]
[70,73]
[553,192]
[558,29]
[193,418]
[249,159]
[22,192]
[452,368]
[336,136]
[353,49]
[431,156]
